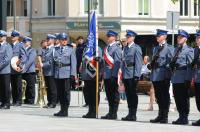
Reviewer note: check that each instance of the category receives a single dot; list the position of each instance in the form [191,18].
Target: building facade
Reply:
[39,17]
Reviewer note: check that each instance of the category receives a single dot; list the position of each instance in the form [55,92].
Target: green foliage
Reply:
[174,1]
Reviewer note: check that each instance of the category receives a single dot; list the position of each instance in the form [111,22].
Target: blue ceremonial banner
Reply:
[91,39]
[91,47]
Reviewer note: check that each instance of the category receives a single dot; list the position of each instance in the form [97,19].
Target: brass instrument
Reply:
[41,85]
[23,89]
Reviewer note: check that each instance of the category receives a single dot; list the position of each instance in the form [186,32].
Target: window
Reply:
[144,7]
[25,8]
[184,7]
[94,5]
[9,7]
[51,7]
[195,6]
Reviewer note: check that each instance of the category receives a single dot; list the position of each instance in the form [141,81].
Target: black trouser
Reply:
[16,84]
[112,93]
[197,95]
[90,92]
[64,86]
[30,87]
[5,89]
[161,89]
[181,97]
[51,90]
[130,89]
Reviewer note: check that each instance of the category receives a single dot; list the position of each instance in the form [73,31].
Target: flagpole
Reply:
[97,70]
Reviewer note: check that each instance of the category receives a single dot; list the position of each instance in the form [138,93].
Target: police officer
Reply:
[196,66]
[79,54]
[162,54]
[16,76]
[57,40]
[65,72]
[131,70]
[5,57]
[57,44]
[48,72]
[112,60]
[88,75]
[27,64]
[182,75]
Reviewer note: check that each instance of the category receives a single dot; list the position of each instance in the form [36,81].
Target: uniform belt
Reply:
[62,65]
[181,68]
[160,67]
[130,64]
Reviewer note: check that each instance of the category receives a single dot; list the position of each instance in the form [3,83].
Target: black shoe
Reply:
[85,105]
[6,106]
[18,104]
[131,115]
[158,118]
[181,121]
[164,119]
[46,106]
[89,115]
[196,123]
[112,114]
[107,116]
[52,106]
[129,118]
[61,114]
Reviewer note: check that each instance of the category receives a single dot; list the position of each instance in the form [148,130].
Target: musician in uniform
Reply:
[27,65]
[5,57]
[160,77]
[182,76]
[88,75]
[16,76]
[112,59]
[131,70]
[196,67]
[48,71]
[65,72]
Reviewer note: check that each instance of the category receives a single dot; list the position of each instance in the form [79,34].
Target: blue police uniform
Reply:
[28,56]
[88,75]
[16,77]
[110,75]
[196,68]
[131,71]
[64,72]
[160,76]
[181,78]
[5,57]
[48,72]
